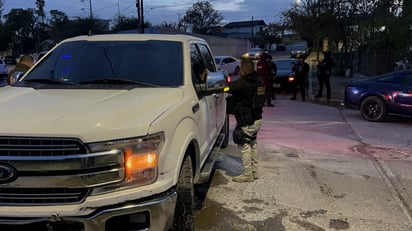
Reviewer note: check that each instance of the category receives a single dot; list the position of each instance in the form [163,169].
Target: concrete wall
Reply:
[219,45]
[227,46]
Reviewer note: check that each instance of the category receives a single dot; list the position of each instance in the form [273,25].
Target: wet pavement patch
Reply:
[256,201]
[338,224]
[214,217]
[252,209]
[292,155]
[274,223]
[339,173]
[307,225]
[219,179]
[380,152]
[211,215]
[313,213]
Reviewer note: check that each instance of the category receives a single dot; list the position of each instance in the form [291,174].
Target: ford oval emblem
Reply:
[7,173]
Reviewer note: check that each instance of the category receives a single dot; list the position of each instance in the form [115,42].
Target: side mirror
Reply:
[15,77]
[215,83]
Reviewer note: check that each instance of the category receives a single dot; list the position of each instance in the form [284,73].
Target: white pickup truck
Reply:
[111,132]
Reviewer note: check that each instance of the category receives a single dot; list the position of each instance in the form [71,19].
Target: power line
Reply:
[102,8]
[174,5]
[133,4]
[169,6]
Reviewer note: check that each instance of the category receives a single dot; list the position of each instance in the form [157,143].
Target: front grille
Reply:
[54,171]
[41,196]
[29,146]
[40,147]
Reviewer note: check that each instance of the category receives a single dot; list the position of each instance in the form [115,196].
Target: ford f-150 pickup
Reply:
[111,132]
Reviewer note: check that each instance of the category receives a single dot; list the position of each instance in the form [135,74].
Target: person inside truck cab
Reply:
[26,61]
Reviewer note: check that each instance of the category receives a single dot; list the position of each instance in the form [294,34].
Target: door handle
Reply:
[195,108]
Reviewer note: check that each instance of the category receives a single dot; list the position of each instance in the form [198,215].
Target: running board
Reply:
[210,162]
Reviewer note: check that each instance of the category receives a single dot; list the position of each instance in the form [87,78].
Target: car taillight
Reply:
[229,79]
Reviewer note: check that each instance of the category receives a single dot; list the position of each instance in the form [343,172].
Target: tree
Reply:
[20,24]
[368,23]
[4,37]
[169,25]
[58,22]
[40,10]
[90,7]
[81,26]
[202,17]
[127,23]
[406,16]
[40,26]
[1,9]
[271,34]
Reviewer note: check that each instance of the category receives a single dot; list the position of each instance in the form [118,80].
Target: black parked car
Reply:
[385,94]
[285,76]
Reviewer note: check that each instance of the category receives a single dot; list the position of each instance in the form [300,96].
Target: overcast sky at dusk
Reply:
[157,11]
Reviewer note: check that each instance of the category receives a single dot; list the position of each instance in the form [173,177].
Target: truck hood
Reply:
[91,115]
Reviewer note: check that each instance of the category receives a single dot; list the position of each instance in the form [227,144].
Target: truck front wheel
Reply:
[185,205]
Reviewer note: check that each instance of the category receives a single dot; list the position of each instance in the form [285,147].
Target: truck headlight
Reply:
[141,157]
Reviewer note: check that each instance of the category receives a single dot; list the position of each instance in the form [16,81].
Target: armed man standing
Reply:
[301,70]
[324,72]
[248,97]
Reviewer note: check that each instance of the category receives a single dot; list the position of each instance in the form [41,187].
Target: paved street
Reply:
[321,168]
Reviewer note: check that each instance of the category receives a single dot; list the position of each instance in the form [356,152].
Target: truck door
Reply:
[205,107]
[218,98]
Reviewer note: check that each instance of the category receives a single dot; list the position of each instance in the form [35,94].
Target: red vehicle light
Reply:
[229,79]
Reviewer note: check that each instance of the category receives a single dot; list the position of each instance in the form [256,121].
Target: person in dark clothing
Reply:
[265,72]
[273,71]
[324,72]
[301,70]
[248,97]
[26,61]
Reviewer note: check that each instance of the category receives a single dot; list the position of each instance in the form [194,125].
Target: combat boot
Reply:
[243,178]
[255,175]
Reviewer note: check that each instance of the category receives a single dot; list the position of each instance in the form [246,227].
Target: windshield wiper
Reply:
[117,81]
[50,81]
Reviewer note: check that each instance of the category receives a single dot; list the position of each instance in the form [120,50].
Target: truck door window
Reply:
[199,70]
[207,57]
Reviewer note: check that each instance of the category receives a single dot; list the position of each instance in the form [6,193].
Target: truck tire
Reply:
[225,130]
[185,205]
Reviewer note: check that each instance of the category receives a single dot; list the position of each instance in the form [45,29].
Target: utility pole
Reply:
[251,35]
[91,17]
[118,16]
[91,11]
[139,6]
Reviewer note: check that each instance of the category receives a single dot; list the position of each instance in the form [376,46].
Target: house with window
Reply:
[244,29]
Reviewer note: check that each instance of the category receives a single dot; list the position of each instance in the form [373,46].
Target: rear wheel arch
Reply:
[193,151]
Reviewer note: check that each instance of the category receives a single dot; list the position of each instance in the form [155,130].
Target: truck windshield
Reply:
[87,63]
